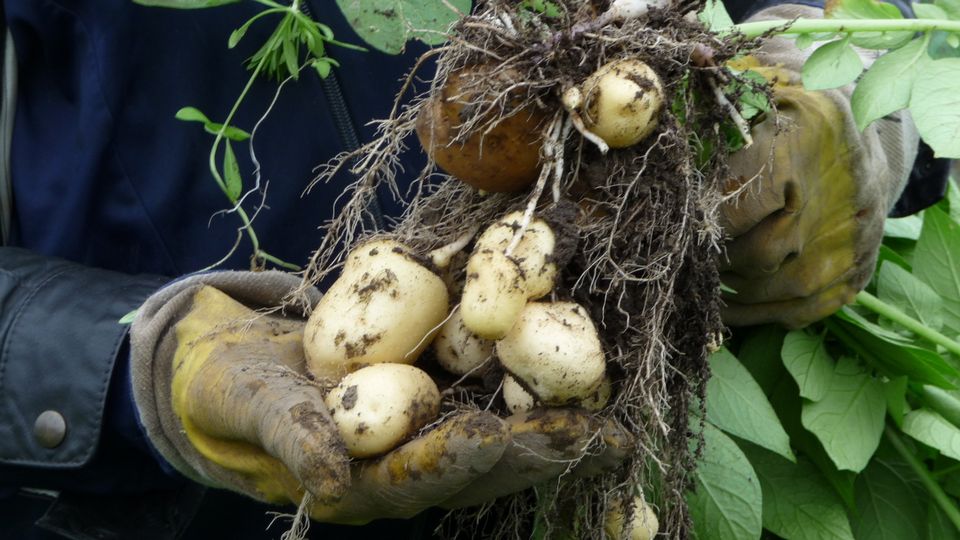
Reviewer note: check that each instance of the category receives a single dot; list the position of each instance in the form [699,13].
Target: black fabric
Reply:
[59,338]
[927,184]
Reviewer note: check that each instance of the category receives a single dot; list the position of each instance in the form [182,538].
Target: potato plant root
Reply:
[637,228]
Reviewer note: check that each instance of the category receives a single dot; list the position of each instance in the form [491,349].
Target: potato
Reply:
[644,525]
[506,158]
[459,350]
[385,307]
[554,350]
[517,399]
[379,407]
[497,286]
[599,398]
[621,101]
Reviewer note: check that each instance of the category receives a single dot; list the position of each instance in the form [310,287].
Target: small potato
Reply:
[497,286]
[644,525]
[621,101]
[502,159]
[385,307]
[459,350]
[379,407]
[554,349]
[517,399]
[599,398]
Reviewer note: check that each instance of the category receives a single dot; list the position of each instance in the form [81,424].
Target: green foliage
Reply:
[726,502]
[855,475]
[386,25]
[736,404]
[831,65]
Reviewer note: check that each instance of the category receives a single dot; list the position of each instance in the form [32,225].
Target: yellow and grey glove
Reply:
[224,396]
[808,199]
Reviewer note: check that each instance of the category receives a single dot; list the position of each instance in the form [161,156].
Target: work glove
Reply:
[225,397]
[807,201]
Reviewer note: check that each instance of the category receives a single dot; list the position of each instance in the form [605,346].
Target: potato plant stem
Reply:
[936,492]
[818,26]
[884,309]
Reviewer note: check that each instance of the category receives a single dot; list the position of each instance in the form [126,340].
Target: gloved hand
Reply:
[804,230]
[225,398]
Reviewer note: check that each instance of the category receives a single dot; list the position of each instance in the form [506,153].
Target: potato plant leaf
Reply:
[231,174]
[832,65]
[869,9]
[185,4]
[935,106]
[895,392]
[848,421]
[933,430]
[760,354]
[232,133]
[886,87]
[939,526]
[915,298]
[726,501]
[937,262]
[715,16]
[191,114]
[908,227]
[806,358]
[887,506]
[894,355]
[736,404]
[797,502]
[929,11]
[387,25]
[950,7]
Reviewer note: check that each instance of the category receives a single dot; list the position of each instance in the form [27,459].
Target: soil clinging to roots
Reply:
[640,233]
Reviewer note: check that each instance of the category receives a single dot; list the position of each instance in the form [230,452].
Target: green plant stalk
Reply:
[817,26]
[939,496]
[247,225]
[884,309]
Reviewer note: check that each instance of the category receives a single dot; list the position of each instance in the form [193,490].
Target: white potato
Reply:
[554,349]
[517,399]
[459,350]
[499,286]
[621,101]
[378,407]
[644,525]
[385,307]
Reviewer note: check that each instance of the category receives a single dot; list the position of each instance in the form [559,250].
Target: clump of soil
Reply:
[643,221]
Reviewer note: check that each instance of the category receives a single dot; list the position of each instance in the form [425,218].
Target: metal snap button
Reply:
[50,429]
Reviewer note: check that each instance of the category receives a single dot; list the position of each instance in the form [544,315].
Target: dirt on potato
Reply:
[638,231]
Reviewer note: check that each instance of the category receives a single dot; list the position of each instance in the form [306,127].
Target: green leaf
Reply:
[797,502]
[869,9]
[191,114]
[387,25]
[185,4]
[889,255]
[895,392]
[950,7]
[893,355]
[232,133]
[915,298]
[848,421]
[543,7]
[129,317]
[933,430]
[322,68]
[886,87]
[953,200]
[943,45]
[231,174]
[887,508]
[737,405]
[935,106]
[807,360]
[751,100]
[939,526]
[715,16]
[760,354]
[936,261]
[929,11]
[906,227]
[832,65]
[290,58]
[726,502]
[803,41]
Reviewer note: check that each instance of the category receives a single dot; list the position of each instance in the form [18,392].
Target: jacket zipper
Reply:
[373,218]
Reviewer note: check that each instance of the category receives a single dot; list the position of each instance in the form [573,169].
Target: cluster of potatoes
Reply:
[389,305]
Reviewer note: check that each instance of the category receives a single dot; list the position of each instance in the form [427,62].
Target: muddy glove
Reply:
[225,398]
[804,230]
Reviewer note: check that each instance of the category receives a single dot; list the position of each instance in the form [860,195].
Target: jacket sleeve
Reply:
[59,340]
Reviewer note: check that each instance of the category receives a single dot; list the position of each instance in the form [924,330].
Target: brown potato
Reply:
[503,159]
